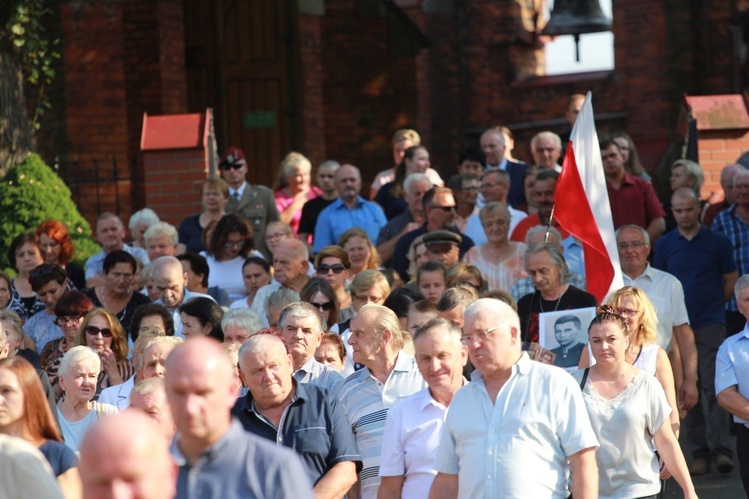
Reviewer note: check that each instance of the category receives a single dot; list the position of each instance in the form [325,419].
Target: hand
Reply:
[688,395]
[409,227]
[665,474]
[109,362]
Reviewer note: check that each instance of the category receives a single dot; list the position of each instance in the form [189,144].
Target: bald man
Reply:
[493,144]
[170,282]
[216,457]
[119,462]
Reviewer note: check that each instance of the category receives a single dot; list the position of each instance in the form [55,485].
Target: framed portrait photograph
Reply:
[565,334]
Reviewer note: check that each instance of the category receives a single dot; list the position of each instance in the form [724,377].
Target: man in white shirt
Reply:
[495,187]
[413,426]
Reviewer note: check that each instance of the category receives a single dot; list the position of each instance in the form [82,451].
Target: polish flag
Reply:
[582,206]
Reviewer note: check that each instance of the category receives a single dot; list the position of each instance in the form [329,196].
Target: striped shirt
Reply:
[318,374]
[366,402]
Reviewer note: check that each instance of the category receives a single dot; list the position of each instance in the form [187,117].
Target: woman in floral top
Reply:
[70,310]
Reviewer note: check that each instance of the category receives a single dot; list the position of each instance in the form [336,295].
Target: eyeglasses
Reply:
[93,331]
[489,185]
[446,209]
[227,166]
[279,235]
[480,336]
[63,320]
[325,307]
[470,188]
[325,268]
[634,245]
[233,244]
[42,270]
[624,312]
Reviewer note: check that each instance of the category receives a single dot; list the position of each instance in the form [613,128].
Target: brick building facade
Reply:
[335,78]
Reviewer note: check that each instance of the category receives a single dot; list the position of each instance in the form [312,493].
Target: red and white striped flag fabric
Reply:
[582,206]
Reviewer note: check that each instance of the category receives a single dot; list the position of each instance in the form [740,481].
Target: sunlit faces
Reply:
[493,144]
[613,163]
[542,271]
[274,234]
[288,265]
[234,176]
[629,310]
[399,150]
[742,301]
[155,406]
[741,189]
[160,246]
[152,321]
[170,285]
[348,183]
[110,233]
[633,251]
[154,359]
[469,191]
[303,336]
[364,340]
[494,188]
[79,384]
[50,293]
[432,285]
[686,212]
[416,319]
[328,354]
[11,403]
[268,374]
[623,148]
[358,251]
[543,194]
[4,293]
[191,326]
[608,342]
[28,257]
[454,315]
[420,162]
[415,194]
[213,199]
[95,339]
[119,278]
[441,211]
[372,295]
[194,281]
[50,248]
[679,178]
[445,253]
[440,359]
[255,277]
[421,254]
[324,178]
[496,226]
[327,270]
[491,344]
[236,334]
[323,304]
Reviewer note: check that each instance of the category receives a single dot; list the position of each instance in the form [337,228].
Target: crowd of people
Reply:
[433,339]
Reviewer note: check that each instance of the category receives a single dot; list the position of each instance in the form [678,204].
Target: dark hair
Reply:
[401,299]
[224,227]
[429,195]
[456,181]
[147,310]
[59,233]
[400,170]
[423,306]
[73,303]
[118,256]
[607,142]
[46,273]
[472,153]
[198,264]
[335,340]
[605,315]
[18,241]
[457,297]
[319,285]
[206,311]
[431,267]
[546,174]
[262,262]
[501,295]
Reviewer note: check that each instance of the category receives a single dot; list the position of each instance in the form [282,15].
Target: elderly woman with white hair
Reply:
[239,324]
[139,223]
[161,240]
[78,373]
[295,177]
[500,260]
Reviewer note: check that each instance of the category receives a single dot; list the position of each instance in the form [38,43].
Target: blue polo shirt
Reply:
[314,425]
[700,265]
[337,218]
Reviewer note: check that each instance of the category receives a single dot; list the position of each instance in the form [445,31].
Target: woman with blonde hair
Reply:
[295,190]
[104,334]
[643,351]
[362,254]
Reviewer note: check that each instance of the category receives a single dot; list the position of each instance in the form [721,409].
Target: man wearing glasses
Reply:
[528,427]
[667,295]
[253,202]
[439,207]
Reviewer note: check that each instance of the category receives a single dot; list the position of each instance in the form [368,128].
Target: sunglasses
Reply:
[336,268]
[325,307]
[93,331]
[42,270]
[65,320]
[446,209]
[227,166]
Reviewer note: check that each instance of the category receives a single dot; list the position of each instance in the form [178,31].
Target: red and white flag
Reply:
[582,206]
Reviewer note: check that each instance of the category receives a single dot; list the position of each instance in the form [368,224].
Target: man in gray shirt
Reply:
[216,457]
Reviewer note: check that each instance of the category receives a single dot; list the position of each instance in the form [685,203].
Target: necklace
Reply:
[541,303]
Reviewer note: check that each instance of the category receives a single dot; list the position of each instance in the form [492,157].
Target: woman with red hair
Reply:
[27,415]
[57,247]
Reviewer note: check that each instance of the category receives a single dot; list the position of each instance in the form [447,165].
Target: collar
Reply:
[234,432]
[427,399]
[502,164]
[309,366]
[404,362]
[649,272]
[745,331]
[338,203]
[570,241]
[239,191]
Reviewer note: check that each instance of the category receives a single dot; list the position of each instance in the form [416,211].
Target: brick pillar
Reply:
[176,162]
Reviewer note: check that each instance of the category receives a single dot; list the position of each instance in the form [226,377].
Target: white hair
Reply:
[146,216]
[499,309]
[76,355]
[161,229]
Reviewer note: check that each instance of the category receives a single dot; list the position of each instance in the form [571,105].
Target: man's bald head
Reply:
[117,461]
[685,194]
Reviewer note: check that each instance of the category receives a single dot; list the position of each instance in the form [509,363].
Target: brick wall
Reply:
[312,125]
[173,179]
[718,148]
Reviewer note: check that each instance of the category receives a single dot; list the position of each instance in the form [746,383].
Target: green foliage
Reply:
[32,193]
[25,30]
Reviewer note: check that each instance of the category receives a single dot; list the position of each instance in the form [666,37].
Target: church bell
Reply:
[576,17]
